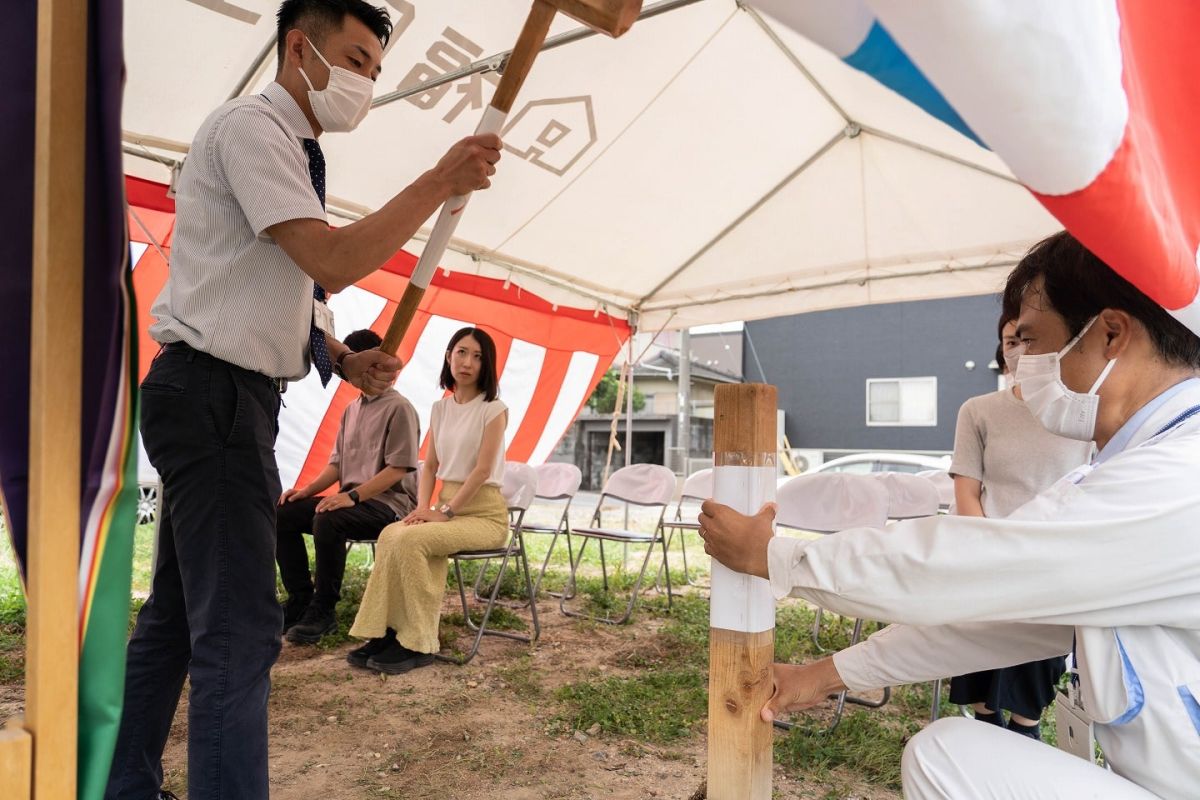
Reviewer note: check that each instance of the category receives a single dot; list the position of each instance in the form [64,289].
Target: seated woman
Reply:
[402,604]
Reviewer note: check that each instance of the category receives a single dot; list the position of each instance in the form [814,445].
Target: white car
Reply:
[863,463]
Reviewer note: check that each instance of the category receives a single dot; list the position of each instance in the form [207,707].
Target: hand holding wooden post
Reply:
[611,17]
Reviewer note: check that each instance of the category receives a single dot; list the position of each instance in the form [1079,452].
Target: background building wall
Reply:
[821,361]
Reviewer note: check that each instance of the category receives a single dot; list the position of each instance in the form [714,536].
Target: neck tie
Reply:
[317,349]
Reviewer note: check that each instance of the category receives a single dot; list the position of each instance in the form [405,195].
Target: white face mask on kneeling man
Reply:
[1062,411]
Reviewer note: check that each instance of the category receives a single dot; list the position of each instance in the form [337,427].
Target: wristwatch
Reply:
[353,495]
[337,369]
[447,510]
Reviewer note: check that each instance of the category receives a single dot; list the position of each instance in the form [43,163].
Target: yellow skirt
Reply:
[408,582]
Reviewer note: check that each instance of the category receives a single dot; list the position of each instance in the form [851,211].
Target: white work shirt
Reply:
[232,292]
[1109,556]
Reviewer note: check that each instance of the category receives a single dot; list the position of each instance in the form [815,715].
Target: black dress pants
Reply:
[330,531]
[209,428]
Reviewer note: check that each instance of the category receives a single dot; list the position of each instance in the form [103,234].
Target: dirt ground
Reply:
[479,731]
[491,729]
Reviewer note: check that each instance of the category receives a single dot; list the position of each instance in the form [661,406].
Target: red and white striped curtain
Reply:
[550,357]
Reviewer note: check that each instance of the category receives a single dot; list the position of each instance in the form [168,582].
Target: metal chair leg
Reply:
[481,629]
[843,697]
[633,597]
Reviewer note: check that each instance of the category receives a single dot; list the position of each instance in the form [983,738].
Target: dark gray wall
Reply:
[820,362]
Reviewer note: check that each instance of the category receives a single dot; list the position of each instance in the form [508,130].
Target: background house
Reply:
[876,378]
[657,403]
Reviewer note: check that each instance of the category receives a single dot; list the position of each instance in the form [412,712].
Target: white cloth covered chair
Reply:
[645,485]
[557,484]
[828,502]
[945,487]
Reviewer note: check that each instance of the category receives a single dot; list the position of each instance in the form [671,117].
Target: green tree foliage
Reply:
[604,399]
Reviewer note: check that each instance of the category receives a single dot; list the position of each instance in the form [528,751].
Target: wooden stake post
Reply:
[39,761]
[742,616]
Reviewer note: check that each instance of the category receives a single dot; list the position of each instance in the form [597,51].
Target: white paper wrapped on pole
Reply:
[741,602]
[443,230]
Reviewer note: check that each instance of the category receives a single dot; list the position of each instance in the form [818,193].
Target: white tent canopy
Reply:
[711,165]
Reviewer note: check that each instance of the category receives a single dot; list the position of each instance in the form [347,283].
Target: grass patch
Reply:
[502,619]
[522,678]
[869,743]
[12,654]
[658,707]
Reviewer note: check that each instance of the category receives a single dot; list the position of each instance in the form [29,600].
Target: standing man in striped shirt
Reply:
[241,314]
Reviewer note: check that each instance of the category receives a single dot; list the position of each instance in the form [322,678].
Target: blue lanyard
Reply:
[1179,420]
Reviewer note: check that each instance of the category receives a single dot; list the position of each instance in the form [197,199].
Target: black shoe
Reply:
[359,656]
[293,609]
[315,623]
[397,659]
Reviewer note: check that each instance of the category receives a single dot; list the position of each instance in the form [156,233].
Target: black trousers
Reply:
[209,428]
[330,531]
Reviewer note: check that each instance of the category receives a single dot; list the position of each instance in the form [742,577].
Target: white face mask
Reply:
[1062,411]
[1012,358]
[344,102]
[1009,380]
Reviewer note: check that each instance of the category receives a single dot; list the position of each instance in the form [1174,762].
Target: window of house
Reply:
[902,401]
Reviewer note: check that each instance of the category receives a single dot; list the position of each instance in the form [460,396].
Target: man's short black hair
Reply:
[488,381]
[1078,285]
[317,17]
[366,339]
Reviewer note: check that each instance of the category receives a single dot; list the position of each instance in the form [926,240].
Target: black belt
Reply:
[183,348]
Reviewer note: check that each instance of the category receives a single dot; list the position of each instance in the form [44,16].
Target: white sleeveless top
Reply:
[457,431]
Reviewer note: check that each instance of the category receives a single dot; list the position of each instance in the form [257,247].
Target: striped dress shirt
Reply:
[232,292]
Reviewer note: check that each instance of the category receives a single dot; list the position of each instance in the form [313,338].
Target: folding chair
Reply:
[556,483]
[912,497]
[922,495]
[945,487]
[696,489]
[828,502]
[646,485]
[520,485]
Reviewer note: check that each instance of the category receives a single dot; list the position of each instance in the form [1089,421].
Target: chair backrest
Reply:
[944,483]
[832,501]
[644,484]
[698,486]
[558,481]
[909,495]
[520,485]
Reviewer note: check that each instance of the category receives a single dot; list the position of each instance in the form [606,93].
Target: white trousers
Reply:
[957,758]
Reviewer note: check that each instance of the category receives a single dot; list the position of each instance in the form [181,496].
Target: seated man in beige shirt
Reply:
[374,461]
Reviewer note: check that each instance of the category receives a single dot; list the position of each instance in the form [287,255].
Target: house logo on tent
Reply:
[552,134]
